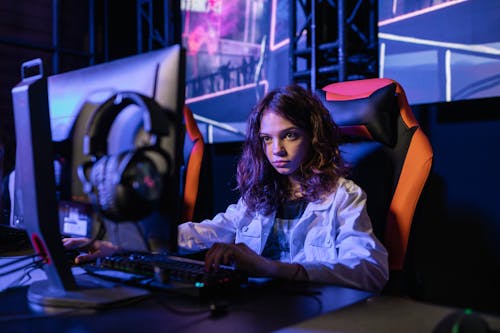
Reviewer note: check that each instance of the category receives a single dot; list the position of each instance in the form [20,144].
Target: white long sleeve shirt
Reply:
[333,239]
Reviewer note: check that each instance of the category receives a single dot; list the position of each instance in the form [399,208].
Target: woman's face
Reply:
[286,145]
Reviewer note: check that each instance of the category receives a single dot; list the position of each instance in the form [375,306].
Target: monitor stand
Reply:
[89,294]
[37,207]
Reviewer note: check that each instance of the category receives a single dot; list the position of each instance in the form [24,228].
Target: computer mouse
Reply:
[463,321]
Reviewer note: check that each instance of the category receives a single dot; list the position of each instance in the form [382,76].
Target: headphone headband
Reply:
[155,120]
[129,185]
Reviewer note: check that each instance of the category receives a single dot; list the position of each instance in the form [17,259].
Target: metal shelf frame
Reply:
[335,40]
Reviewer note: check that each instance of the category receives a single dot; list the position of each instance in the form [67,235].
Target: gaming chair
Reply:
[390,155]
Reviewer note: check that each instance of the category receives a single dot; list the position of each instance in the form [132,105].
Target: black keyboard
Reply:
[167,269]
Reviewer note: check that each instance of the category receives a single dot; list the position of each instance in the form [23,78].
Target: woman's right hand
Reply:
[95,249]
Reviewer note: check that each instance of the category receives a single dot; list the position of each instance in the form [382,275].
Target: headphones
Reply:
[127,186]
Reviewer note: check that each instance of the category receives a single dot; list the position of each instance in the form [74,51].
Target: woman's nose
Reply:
[278,148]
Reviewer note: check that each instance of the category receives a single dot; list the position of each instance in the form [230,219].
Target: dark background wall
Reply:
[26,32]
[59,35]
[455,251]
[456,236]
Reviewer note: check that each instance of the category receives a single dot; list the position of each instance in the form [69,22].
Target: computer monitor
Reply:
[74,96]
[61,110]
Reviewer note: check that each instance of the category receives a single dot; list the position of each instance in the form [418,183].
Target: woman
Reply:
[298,218]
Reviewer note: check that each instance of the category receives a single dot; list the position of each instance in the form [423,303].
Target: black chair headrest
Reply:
[373,116]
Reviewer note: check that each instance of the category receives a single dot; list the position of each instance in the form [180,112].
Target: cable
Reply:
[22,279]
[143,237]
[18,260]
[21,267]
[26,276]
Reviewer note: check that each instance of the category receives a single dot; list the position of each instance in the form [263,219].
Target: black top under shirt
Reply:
[278,243]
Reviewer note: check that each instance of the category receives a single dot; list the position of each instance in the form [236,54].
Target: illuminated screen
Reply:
[223,42]
[441,50]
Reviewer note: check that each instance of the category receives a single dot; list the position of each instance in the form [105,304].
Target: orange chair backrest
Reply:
[377,111]
[194,149]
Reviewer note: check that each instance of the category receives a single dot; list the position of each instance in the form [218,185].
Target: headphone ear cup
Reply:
[130,185]
[133,186]
[127,203]
[140,187]
[101,178]
[97,175]
[160,159]
[84,176]
[111,179]
[114,198]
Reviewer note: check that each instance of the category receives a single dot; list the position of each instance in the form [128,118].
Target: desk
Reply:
[258,308]
[382,314]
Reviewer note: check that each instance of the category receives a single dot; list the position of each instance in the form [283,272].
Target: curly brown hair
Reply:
[260,185]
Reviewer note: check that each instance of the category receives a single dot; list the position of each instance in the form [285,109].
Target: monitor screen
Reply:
[441,51]
[74,97]
[94,110]
[156,74]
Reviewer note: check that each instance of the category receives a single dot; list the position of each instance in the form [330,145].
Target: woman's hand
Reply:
[241,256]
[245,259]
[95,249]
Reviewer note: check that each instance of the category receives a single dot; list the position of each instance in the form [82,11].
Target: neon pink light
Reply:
[220,19]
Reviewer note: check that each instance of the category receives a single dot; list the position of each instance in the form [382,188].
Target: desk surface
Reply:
[277,307]
[257,308]
[382,314]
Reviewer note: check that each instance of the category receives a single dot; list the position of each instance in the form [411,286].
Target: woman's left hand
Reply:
[96,249]
[239,255]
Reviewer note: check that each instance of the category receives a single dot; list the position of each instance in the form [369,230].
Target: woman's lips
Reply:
[280,164]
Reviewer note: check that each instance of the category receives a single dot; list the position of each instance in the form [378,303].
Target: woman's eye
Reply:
[265,138]
[291,136]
